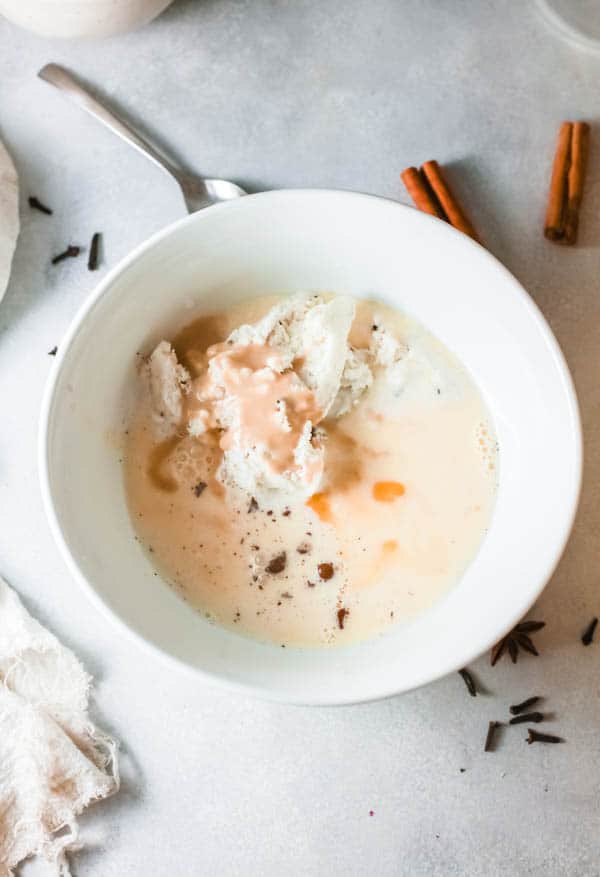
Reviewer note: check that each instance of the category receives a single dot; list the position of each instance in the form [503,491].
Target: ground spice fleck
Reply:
[53,352]
[325,571]
[199,488]
[277,563]
[341,617]
[253,506]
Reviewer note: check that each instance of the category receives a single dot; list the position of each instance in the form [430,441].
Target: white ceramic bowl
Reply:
[285,242]
[76,19]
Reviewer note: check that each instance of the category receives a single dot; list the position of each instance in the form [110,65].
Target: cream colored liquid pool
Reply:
[407,493]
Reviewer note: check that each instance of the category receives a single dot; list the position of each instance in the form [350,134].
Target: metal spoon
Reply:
[197,193]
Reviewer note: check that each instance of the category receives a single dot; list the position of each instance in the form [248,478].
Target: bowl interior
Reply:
[285,242]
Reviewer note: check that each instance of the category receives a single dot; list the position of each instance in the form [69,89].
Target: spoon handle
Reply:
[61,79]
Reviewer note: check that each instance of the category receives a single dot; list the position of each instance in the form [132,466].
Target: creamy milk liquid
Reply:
[407,494]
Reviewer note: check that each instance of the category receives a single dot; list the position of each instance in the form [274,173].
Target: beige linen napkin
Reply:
[9,216]
[53,761]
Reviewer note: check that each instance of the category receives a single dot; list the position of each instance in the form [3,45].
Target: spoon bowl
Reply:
[199,193]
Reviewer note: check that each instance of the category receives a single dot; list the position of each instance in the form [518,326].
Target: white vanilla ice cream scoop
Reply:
[168,381]
[267,387]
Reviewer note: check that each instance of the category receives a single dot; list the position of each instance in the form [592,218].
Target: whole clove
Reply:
[36,204]
[527,717]
[70,253]
[93,258]
[537,737]
[588,634]
[521,707]
[491,733]
[469,682]
[515,640]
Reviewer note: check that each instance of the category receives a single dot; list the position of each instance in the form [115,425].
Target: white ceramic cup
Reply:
[286,242]
[73,19]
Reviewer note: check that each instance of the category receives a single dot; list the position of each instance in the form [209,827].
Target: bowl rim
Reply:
[214,679]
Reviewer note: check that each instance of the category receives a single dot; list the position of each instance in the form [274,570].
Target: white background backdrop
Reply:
[307,93]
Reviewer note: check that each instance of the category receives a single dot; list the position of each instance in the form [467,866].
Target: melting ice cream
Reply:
[268,387]
[327,434]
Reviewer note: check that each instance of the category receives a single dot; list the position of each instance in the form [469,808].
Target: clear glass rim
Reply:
[567,31]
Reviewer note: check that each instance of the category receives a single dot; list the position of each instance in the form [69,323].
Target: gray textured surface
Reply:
[340,94]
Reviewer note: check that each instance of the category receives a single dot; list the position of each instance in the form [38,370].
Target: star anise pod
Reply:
[515,640]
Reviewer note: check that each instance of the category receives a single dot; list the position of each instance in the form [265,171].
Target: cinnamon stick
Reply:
[431,194]
[580,142]
[554,226]
[450,205]
[418,189]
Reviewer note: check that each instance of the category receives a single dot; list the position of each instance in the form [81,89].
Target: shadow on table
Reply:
[470,184]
